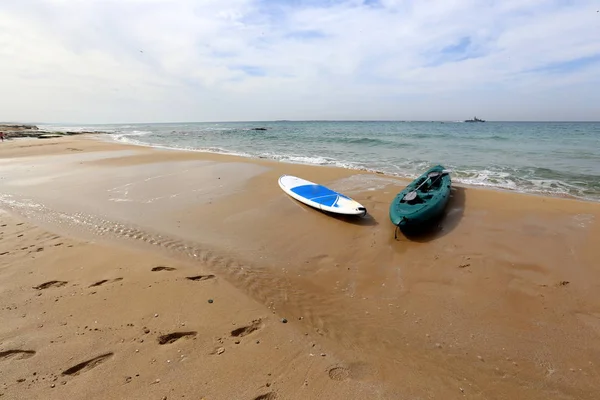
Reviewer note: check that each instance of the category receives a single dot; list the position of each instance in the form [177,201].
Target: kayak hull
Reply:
[432,196]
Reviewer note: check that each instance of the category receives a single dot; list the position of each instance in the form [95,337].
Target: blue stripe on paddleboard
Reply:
[319,194]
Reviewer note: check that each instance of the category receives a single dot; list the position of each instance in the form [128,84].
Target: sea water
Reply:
[554,158]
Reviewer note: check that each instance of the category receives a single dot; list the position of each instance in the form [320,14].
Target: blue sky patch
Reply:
[250,70]
[372,3]
[306,35]
[459,48]
[563,67]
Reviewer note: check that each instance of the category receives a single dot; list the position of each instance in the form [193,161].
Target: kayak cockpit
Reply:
[425,186]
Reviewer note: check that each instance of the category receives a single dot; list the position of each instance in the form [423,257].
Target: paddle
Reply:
[413,194]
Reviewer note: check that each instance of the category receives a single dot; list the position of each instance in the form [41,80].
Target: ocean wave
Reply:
[497,138]
[485,177]
[133,133]
[366,141]
[312,160]
[80,128]
[224,131]
[215,129]
[526,182]
[425,136]
[215,150]
[526,179]
[126,137]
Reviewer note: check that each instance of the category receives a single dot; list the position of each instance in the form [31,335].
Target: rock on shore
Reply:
[32,131]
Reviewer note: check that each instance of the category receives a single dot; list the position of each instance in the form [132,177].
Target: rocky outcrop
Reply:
[48,136]
[32,131]
[4,128]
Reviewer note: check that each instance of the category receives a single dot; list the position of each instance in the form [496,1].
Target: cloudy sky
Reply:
[87,61]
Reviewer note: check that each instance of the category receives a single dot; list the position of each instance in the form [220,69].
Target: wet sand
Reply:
[501,301]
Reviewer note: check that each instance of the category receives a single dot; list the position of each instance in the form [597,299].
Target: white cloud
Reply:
[158,60]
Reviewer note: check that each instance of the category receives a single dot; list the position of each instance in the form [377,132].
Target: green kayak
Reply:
[423,200]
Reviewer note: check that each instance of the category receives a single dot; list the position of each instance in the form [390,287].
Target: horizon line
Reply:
[292,120]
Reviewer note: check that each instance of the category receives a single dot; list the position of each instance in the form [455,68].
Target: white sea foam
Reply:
[22,203]
[401,163]
[312,160]
[483,178]
[67,128]
[216,150]
[486,177]
[126,137]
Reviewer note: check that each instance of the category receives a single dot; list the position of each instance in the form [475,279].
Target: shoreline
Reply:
[105,137]
[26,131]
[507,285]
[405,179]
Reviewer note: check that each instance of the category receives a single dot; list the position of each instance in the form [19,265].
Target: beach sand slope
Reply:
[501,300]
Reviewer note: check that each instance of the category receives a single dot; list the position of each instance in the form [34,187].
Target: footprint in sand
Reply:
[321,258]
[16,354]
[246,330]
[200,277]
[266,396]
[50,284]
[87,365]
[175,336]
[358,371]
[338,373]
[163,268]
[103,281]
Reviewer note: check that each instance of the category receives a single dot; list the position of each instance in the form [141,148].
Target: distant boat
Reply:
[475,119]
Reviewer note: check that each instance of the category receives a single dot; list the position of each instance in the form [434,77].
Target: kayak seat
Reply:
[425,196]
[417,200]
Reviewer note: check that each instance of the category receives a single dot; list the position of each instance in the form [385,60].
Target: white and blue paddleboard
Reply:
[320,197]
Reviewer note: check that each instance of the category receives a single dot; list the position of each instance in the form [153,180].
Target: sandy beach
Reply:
[140,273]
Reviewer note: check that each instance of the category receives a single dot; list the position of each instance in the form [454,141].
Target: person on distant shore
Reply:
[2,136]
